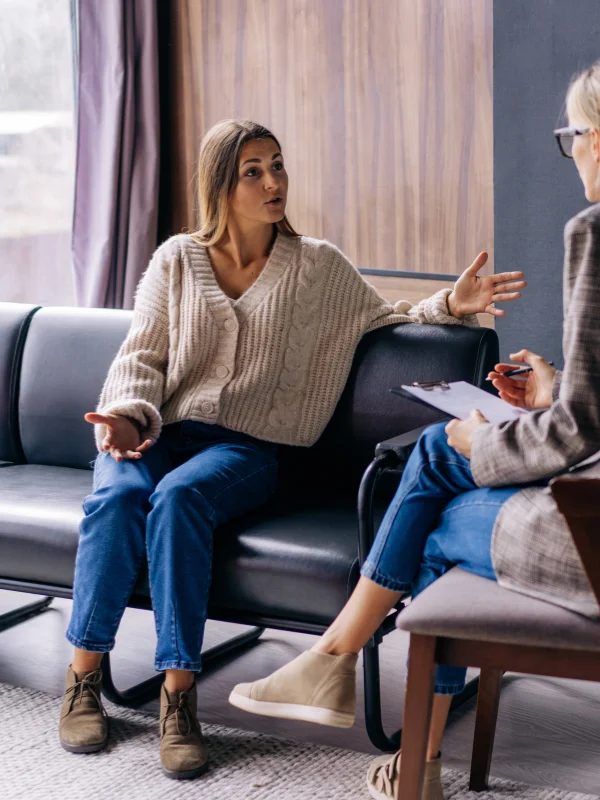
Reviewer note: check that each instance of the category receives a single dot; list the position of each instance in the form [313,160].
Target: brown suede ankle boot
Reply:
[83,726]
[183,751]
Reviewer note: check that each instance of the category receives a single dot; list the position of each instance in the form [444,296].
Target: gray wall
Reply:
[538,46]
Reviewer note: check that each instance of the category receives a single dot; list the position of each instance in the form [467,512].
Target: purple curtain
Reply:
[116,181]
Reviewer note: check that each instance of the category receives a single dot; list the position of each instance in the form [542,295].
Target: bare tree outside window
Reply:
[37,152]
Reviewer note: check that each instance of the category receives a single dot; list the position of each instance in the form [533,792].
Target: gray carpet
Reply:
[33,766]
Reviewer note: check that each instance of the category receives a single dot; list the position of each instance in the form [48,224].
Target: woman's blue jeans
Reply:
[163,509]
[438,518]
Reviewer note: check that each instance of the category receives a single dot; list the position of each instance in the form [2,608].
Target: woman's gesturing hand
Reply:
[533,390]
[460,432]
[122,438]
[475,295]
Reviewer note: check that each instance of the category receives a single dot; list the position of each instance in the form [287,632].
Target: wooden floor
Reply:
[548,730]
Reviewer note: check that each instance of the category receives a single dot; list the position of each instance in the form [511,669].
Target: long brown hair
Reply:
[218,166]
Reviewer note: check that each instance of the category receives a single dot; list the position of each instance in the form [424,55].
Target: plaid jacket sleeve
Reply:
[544,443]
[556,385]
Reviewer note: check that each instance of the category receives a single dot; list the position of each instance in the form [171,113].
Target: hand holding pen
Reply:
[514,372]
[533,393]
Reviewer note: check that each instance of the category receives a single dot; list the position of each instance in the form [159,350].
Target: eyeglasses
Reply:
[565,136]
[429,386]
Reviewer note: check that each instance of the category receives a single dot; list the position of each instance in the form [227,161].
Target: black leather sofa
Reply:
[290,565]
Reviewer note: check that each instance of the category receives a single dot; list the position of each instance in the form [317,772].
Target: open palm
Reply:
[473,294]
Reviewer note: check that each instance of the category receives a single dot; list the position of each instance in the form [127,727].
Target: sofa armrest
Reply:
[401,446]
[578,499]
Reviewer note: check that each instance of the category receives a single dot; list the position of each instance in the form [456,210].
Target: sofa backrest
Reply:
[68,351]
[15,319]
[368,412]
[66,357]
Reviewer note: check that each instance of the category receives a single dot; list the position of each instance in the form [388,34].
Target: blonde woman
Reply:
[475,494]
[242,338]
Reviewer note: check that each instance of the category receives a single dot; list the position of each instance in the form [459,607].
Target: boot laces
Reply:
[183,714]
[88,686]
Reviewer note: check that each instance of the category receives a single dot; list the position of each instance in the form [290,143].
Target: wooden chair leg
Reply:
[417,715]
[485,727]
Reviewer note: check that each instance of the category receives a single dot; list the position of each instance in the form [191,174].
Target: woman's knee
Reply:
[174,495]
[118,495]
[434,439]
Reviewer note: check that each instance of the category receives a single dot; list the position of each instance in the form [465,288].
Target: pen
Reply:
[521,371]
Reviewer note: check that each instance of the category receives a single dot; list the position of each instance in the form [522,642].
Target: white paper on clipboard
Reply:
[462,397]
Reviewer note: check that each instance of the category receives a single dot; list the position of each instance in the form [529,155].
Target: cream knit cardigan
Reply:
[271,364]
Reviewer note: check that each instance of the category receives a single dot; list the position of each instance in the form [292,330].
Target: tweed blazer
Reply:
[532,549]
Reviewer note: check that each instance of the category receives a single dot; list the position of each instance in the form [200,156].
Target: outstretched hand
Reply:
[473,294]
[122,438]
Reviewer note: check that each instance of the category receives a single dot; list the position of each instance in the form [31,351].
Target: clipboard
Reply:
[457,399]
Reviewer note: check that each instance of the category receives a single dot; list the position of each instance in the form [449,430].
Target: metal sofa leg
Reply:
[373,719]
[150,689]
[18,615]
[366,534]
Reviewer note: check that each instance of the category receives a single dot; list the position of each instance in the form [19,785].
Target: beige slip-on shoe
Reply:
[314,687]
[383,778]
[183,751]
[83,726]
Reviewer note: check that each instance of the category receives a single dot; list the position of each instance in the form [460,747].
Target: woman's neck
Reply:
[247,247]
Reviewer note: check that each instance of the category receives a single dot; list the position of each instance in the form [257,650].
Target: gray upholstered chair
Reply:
[469,621]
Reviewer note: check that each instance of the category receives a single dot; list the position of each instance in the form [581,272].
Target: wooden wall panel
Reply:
[383,108]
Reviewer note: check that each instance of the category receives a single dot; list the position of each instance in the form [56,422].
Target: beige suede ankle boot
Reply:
[383,778]
[315,687]
[83,726]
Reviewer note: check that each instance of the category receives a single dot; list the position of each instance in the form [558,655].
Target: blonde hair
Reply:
[218,165]
[583,96]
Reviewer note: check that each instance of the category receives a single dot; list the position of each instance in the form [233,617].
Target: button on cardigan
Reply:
[271,364]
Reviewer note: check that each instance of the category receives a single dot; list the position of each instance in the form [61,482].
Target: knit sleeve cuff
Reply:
[437,311]
[140,410]
[556,385]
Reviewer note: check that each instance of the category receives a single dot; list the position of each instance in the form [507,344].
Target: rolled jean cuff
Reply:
[91,647]
[189,666]
[453,688]
[371,572]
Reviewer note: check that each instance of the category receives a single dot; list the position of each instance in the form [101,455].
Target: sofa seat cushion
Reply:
[285,560]
[281,561]
[461,605]
[40,511]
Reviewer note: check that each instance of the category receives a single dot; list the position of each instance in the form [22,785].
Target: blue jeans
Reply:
[163,509]
[438,518]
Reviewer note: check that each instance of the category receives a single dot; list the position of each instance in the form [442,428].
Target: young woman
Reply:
[242,338]
[462,499]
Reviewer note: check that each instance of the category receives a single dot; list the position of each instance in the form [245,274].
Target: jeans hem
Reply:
[91,647]
[190,666]
[371,572]
[454,688]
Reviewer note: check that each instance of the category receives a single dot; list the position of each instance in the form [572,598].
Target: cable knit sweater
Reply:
[271,364]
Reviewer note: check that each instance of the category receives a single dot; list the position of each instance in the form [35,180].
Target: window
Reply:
[37,151]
